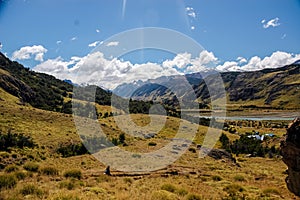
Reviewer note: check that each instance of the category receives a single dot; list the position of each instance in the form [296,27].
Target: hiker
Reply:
[107,171]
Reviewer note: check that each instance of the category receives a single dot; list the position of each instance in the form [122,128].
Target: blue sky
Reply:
[236,34]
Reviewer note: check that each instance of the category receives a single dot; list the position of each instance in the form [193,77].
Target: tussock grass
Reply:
[7,181]
[73,173]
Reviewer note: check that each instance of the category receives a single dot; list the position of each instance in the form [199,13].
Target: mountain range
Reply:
[271,88]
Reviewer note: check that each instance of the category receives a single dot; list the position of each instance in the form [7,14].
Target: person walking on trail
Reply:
[107,171]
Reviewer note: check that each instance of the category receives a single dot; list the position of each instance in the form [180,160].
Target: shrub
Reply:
[14,140]
[70,185]
[269,191]
[31,189]
[20,175]
[73,173]
[11,168]
[128,180]
[239,178]
[7,181]
[181,192]
[216,178]
[193,197]
[232,189]
[50,171]
[168,187]
[193,150]
[67,197]
[152,144]
[31,166]
[163,195]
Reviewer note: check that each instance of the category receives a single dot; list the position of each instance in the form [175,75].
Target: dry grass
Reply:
[195,177]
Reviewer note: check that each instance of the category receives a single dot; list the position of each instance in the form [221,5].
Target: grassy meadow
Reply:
[42,173]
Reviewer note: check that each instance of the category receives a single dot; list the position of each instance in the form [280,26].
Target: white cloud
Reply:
[95,68]
[181,61]
[73,38]
[94,44]
[190,12]
[192,27]
[58,42]
[277,59]
[27,52]
[111,44]
[271,23]
[97,30]
[1,46]
[241,60]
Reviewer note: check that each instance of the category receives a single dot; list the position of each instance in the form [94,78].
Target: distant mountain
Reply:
[277,88]
[128,90]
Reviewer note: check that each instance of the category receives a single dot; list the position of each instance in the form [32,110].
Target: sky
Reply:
[74,39]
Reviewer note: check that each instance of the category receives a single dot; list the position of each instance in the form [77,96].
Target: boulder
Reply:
[290,151]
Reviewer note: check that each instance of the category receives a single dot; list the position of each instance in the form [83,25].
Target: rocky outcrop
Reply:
[290,150]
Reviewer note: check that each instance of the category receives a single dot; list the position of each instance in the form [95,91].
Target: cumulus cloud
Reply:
[97,30]
[95,68]
[271,23]
[94,44]
[111,44]
[73,38]
[277,59]
[241,60]
[27,52]
[58,42]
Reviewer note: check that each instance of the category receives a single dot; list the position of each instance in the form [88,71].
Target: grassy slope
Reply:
[263,177]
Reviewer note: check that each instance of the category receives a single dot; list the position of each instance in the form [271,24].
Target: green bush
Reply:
[14,140]
[7,181]
[48,170]
[193,197]
[31,189]
[169,187]
[31,166]
[11,168]
[73,173]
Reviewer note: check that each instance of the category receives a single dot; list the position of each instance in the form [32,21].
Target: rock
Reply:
[290,151]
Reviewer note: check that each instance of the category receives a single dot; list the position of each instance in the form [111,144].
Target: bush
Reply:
[216,178]
[50,171]
[7,181]
[168,187]
[193,197]
[152,144]
[70,185]
[269,191]
[31,189]
[31,166]
[239,178]
[14,140]
[73,173]
[181,192]
[232,189]
[128,180]
[11,168]
[67,197]
[20,175]
[163,195]
[193,150]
